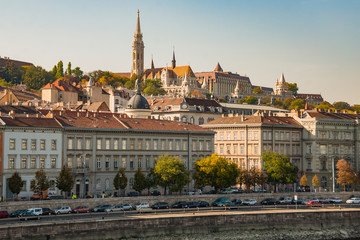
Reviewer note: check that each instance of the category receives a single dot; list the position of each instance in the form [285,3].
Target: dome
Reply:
[138,102]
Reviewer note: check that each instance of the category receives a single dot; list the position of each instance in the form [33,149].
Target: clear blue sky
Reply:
[316,43]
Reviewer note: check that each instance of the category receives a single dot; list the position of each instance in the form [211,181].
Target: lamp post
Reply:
[333,173]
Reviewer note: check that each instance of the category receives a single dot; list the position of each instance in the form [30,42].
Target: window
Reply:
[183,119]
[116,144]
[162,144]
[147,144]
[264,135]
[308,148]
[42,162]
[185,145]
[177,145]
[116,101]
[79,143]
[69,162]
[12,144]
[270,136]
[131,162]
[208,145]
[309,164]
[288,136]
[256,136]
[201,145]
[242,149]
[155,144]
[140,144]
[201,121]
[87,143]
[42,144]
[194,145]
[228,136]
[53,162]
[221,149]
[24,144]
[132,144]
[221,136]
[23,162]
[228,149]
[139,162]
[123,144]
[98,162]
[322,149]
[242,136]
[256,149]
[249,135]
[107,144]
[107,162]
[276,135]
[147,162]
[11,162]
[32,162]
[192,120]
[79,163]
[116,162]
[281,136]
[170,142]
[98,143]
[33,144]
[70,143]
[293,137]
[123,162]
[235,135]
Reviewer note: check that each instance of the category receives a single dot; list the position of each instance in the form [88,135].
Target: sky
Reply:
[315,43]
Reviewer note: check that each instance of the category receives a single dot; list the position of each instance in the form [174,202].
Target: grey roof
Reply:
[138,102]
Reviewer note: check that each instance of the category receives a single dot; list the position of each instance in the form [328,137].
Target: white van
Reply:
[35,211]
[142,205]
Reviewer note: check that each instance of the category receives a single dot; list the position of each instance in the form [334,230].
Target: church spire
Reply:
[138,30]
[152,63]
[173,60]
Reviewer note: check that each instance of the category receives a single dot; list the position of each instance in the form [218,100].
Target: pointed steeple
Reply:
[237,89]
[185,81]
[204,84]
[152,63]
[282,78]
[138,30]
[173,60]
[306,106]
[218,68]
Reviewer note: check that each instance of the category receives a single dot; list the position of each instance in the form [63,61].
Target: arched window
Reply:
[192,120]
[201,121]
[98,184]
[116,101]
[107,184]
[184,119]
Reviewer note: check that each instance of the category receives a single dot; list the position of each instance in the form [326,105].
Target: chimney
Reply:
[12,114]
[242,118]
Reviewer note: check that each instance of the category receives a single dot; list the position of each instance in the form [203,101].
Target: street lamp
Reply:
[84,158]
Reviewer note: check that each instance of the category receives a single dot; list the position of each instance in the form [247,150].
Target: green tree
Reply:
[40,183]
[68,70]
[120,180]
[54,70]
[324,105]
[216,171]
[60,70]
[77,72]
[37,77]
[4,83]
[278,168]
[139,181]
[96,75]
[345,173]
[315,181]
[342,106]
[251,100]
[292,87]
[130,84]
[257,90]
[298,104]
[172,173]
[240,101]
[151,180]
[15,183]
[303,181]
[287,102]
[356,107]
[65,180]
[153,87]
[278,102]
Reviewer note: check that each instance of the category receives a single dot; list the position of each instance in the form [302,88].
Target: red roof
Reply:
[61,85]
[332,115]
[254,119]
[30,122]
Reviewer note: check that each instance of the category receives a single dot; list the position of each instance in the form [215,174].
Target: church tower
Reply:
[138,51]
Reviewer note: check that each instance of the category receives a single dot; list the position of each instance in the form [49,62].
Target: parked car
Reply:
[47,211]
[314,203]
[4,214]
[160,205]
[142,205]
[28,216]
[203,204]
[335,200]
[229,204]
[249,202]
[324,200]
[133,194]
[193,204]
[62,210]
[106,208]
[180,204]
[211,192]
[309,199]
[298,201]
[195,192]
[96,208]
[81,209]
[219,202]
[353,200]
[16,213]
[36,211]
[268,201]
[237,201]
[284,200]
[155,193]
[124,207]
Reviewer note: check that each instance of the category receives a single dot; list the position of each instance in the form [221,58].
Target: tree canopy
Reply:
[171,173]
[65,180]
[287,102]
[345,173]
[15,183]
[278,168]
[120,179]
[40,183]
[292,87]
[298,104]
[216,171]
[36,77]
[341,105]
[251,100]
[257,90]
[315,181]
[139,181]
[303,181]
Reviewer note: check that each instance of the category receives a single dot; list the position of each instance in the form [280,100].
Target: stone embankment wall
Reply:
[165,227]
[15,205]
